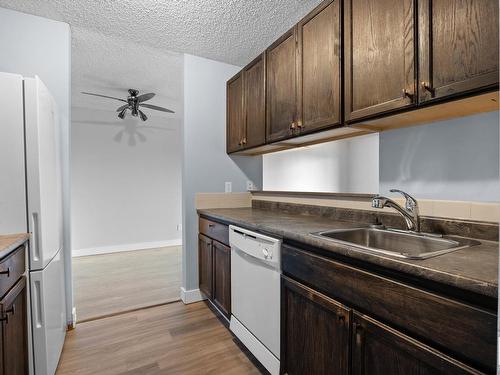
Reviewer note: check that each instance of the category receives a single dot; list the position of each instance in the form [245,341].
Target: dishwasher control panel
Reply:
[254,244]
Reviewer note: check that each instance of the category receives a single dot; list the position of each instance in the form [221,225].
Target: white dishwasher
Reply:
[255,294]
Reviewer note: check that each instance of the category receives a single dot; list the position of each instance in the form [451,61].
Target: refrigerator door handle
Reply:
[37,305]
[35,244]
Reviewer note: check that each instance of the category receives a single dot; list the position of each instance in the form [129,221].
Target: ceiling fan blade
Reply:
[103,96]
[144,97]
[142,115]
[122,108]
[155,107]
[122,113]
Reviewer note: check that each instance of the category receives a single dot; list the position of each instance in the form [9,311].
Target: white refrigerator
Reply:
[31,201]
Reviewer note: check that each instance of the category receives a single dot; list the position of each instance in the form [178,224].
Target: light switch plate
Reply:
[228,187]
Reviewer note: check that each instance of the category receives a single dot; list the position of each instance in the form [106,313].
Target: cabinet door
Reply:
[222,277]
[314,332]
[255,103]
[235,126]
[281,81]
[205,264]
[319,57]
[379,349]
[379,57]
[458,47]
[15,330]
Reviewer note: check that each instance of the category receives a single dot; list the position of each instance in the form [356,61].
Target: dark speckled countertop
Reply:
[474,269]
[10,242]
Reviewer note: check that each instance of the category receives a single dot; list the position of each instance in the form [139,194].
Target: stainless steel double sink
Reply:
[401,244]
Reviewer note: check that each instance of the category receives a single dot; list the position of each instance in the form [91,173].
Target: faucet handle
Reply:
[411,203]
[378,201]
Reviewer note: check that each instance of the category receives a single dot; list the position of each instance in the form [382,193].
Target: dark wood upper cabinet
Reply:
[254,76]
[379,56]
[380,350]
[351,67]
[458,47]
[205,265]
[281,82]
[319,65]
[235,126]
[315,332]
[222,277]
[14,325]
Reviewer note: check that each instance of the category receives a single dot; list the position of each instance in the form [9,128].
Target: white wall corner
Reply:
[125,247]
[191,296]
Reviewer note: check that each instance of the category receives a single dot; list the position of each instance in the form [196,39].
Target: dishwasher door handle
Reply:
[244,234]
[254,259]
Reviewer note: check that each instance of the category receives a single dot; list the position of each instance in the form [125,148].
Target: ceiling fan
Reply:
[134,103]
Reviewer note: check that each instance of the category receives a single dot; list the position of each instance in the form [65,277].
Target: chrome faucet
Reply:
[410,212]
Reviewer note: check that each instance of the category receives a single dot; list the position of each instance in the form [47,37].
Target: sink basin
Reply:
[397,243]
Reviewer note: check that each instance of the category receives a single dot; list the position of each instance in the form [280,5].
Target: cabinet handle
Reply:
[407,94]
[293,125]
[426,86]
[7,272]
[211,225]
[341,318]
[244,141]
[299,124]
[12,311]
[358,330]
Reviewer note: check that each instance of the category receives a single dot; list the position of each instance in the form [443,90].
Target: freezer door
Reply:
[48,315]
[12,181]
[43,170]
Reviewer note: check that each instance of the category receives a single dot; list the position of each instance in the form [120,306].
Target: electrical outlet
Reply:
[250,185]
[228,187]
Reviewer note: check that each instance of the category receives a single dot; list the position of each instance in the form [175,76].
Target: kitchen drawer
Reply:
[11,269]
[456,328]
[214,230]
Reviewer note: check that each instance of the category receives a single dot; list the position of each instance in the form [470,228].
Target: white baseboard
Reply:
[191,296]
[127,247]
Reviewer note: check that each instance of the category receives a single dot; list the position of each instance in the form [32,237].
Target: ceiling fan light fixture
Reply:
[135,112]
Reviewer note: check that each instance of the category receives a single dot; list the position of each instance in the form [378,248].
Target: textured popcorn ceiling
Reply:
[232,31]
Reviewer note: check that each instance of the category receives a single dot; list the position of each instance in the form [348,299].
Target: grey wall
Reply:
[451,160]
[206,166]
[31,46]
[348,165]
[126,174]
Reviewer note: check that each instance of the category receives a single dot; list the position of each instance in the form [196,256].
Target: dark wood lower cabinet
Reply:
[205,260]
[222,277]
[380,350]
[315,332]
[456,327]
[320,335]
[14,344]
[214,264]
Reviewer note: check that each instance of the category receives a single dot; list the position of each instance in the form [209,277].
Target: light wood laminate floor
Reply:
[112,283]
[168,339]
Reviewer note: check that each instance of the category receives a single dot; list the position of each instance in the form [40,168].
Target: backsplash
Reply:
[466,228]
[457,210]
